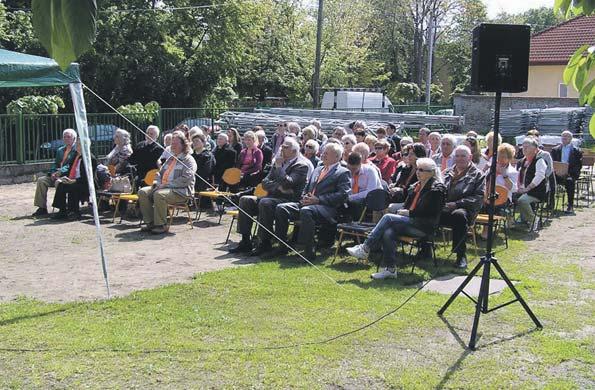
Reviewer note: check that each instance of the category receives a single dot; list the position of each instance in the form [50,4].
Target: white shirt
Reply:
[368,180]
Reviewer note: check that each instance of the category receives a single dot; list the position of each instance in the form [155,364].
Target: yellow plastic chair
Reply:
[148,180]
[231,177]
[259,192]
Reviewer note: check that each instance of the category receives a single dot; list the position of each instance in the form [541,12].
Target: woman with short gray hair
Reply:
[118,157]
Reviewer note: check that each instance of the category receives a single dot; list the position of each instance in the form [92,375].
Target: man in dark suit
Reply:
[573,156]
[284,183]
[328,188]
[225,158]
[73,188]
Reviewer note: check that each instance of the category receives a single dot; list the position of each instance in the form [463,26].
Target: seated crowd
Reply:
[313,182]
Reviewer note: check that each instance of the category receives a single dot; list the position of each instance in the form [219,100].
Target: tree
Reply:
[404,93]
[538,18]
[33,104]
[453,49]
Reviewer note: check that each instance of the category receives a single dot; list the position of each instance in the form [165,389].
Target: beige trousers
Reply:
[153,204]
[41,191]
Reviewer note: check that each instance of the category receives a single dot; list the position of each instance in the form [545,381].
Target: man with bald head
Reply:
[569,154]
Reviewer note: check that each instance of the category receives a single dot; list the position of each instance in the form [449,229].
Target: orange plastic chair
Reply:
[231,177]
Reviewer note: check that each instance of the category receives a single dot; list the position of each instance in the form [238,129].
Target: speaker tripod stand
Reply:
[486,262]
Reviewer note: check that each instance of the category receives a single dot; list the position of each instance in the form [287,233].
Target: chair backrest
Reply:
[112,170]
[502,196]
[232,176]
[150,176]
[376,200]
[560,168]
[260,192]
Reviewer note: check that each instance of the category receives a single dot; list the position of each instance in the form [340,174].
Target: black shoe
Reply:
[243,247]
[461,261]
[310,255]
[280,251]
[569,211]
[261,249]
[40,212]
[74,216]
[59,215]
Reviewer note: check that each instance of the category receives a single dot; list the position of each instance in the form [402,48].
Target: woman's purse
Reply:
[120,184]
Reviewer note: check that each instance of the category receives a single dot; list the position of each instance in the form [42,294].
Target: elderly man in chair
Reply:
[328,188]
[61,166]
[284,183]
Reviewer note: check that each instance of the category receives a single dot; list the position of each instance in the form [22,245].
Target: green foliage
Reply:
[66,28]
[146,113]
[436,93]
[33,104]
[404,93]
[538,18]
[223,95]
[582,62]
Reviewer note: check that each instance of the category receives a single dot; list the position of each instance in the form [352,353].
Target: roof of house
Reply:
[555,45]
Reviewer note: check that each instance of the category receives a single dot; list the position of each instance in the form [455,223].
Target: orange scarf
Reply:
[355,185]
[417,191]
[168,171]
[323,173]
[72,173]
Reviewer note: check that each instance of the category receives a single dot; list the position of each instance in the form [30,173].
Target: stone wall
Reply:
[477,109]
[25,173]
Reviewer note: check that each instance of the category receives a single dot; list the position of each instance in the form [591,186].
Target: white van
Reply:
[355,101]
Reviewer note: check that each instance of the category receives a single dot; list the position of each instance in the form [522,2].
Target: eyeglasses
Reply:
[424,170]
[348,142]
[309,147]
[379,147]
[286,146]
[362,134]
[404,154]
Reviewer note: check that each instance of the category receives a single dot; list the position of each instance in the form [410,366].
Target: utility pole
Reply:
[431,28]
[316,78]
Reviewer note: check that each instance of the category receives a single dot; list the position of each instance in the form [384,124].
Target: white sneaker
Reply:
[384,274]
[358,251]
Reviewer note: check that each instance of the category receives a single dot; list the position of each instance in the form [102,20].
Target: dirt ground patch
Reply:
[58,261]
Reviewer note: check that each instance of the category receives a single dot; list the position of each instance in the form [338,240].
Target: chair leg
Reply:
[198,210]
[187,209]
[116,211]
[230,227]
[338,246]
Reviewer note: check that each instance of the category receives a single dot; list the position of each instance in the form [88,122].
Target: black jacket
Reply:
[575,160]
[145,156]
[205,162]
[431,201]
[468,191]
[224,158]
[267,155]
[287,183]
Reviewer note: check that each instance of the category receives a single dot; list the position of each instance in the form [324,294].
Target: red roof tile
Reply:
[555,45]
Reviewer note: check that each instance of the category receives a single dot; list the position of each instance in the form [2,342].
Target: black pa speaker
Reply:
[500,58]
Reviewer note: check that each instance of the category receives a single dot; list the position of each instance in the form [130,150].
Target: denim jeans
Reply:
[385,234]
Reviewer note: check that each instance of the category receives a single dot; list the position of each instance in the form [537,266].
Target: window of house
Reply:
[562,90]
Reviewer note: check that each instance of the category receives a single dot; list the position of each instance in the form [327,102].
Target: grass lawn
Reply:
[213,332]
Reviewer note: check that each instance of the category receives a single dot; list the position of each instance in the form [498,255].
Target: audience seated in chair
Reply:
[60,167]
[205,162]
[445,159]
[146,154]
[310,152]
[284,183]
[404,175]
[364,178]
[416,219]
[118,157]
[327,189]
[225,158]
[72,188]
[173,185]
[267,151]
[250,161]
[532,185]
[434,139]
[465,188]
[506,176]
[279,136]
[383,161]
[569,154]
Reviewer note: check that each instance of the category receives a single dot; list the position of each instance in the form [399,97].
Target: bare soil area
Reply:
[59,261]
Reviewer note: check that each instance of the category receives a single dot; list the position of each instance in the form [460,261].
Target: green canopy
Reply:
[25,70]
